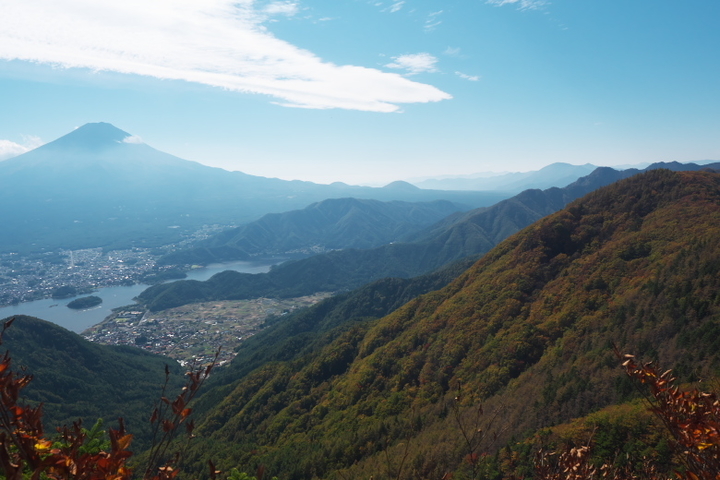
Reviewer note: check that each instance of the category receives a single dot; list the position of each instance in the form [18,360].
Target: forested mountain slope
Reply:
[328,225]
[75,378]
[304,333]
[528,329]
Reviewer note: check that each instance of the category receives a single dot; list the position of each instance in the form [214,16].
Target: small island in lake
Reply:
[85,302]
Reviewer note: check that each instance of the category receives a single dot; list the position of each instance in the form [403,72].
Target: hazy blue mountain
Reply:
[97,186]
[553,175]
[328,225]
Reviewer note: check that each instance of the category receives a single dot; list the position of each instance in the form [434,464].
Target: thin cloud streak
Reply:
[282,8]
[465,76]
[220,43]
[395,7]
[432,21]
[521,4]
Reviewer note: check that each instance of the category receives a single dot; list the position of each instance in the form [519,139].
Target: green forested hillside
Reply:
[328,225]
[527,330]
[302,335]
[74,378]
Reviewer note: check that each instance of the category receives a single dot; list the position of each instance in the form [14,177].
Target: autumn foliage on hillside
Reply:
[26,451]
[690,417]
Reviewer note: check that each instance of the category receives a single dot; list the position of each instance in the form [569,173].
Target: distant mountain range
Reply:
[458,236]
[328,225]
[553,175]
[98,187]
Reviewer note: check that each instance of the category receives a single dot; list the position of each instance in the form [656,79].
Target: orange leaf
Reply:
[124,442]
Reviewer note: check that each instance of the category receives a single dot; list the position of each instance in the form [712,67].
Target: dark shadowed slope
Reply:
[74,378]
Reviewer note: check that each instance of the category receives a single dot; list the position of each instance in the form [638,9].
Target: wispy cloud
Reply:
[415,63]
[395,7]
[135,139]
[222,43]
[465,76]
[521,4]
[281,8]
[10,149]
[452,52]
[432,21]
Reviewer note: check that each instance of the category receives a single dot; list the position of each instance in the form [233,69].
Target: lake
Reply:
[56,311]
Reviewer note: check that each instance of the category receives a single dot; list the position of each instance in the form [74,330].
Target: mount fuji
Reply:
[100,186]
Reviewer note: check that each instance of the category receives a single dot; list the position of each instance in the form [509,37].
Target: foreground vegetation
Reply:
[74,378]
[689,425]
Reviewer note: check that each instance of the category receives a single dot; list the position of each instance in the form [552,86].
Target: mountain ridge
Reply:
[327,225]
[459,235]
[528,329]
[554,175]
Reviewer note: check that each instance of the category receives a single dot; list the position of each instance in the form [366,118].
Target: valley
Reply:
[192,334]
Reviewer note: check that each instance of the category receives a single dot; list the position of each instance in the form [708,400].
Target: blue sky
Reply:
[367,92]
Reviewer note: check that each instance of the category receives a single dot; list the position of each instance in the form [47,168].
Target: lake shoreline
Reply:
[117,296]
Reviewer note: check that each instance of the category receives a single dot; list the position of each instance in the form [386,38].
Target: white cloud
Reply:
[464,76]
[10,149]
[521,4]
[32,141]
[214,42]
[415,63]
[135,139]
[281,8]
